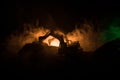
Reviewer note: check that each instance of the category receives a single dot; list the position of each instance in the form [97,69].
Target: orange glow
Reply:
[51,41]
[85,34]
[55,42]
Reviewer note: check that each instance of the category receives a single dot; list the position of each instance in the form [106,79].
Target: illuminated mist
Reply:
[112,32]
[89,39]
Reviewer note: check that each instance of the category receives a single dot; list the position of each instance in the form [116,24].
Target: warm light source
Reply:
[51,41]
[55,42]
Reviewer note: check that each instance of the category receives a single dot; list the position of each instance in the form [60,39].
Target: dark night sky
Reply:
[64,13]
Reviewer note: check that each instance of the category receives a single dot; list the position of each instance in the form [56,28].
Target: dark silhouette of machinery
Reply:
[41,38]
[62,44]
[65,48]
[32,56]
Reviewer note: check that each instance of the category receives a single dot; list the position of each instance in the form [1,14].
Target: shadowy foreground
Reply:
[50,62]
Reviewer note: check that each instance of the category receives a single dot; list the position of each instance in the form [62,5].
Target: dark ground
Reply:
[33,61]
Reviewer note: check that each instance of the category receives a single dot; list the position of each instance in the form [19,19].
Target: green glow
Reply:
[112,32]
